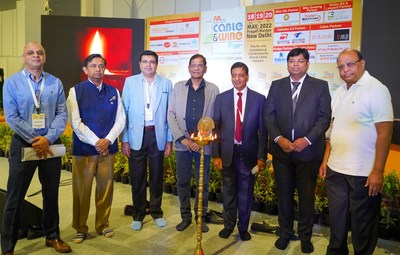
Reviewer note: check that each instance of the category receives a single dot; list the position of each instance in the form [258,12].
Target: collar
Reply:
[32,78]
[190,84]
[244,91]
[301,80]
[98,87]
[144,78]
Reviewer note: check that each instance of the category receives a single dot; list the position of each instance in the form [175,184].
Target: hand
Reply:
[102,146]
[190,145]
[168,149]
[322,170]
[300,144]
[374,182]
[126,149]
[41,145]
[285,144]
[261,164]
[218,163]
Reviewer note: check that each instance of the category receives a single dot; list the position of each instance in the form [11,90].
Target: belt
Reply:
[149,128]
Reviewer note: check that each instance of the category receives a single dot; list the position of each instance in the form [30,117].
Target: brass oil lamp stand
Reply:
[204,137]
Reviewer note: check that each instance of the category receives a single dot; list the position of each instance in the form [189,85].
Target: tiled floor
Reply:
[166,241]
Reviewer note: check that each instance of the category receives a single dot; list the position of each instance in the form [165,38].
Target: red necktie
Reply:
[238,126]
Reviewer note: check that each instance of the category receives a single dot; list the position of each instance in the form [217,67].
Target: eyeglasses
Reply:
[97,66]
[200,66]
[299,61]
[349,65]
[145,62]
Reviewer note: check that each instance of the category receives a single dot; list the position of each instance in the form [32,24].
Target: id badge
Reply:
[38,120]
[148,112]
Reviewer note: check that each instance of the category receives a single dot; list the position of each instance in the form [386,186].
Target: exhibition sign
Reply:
[260,36]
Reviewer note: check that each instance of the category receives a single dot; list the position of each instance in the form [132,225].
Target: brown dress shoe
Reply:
[58,245]
[7,253]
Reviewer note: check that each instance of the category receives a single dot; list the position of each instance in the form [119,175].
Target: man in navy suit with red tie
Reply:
[241,146]
[297,115]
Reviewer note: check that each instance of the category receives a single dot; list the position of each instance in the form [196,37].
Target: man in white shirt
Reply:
[97,118]
[355,156]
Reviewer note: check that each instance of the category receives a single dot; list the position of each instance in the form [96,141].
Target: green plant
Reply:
[6,134]
[265,186]
[215,182]
[320,204]
[121,164]
[391,191]
[386,218]
[170,169]
[321,197]
[66,139]
[259,192]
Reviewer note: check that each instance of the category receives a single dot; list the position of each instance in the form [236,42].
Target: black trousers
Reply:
[238,189]
[347,193]
[19,178]
[294,174]
[138,173]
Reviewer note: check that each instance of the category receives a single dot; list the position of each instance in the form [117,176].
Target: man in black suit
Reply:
[241,146]
[297,115]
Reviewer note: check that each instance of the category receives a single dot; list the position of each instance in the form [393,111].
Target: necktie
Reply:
[238,126]
[294,98]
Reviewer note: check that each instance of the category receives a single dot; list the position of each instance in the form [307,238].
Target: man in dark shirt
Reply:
[191,100]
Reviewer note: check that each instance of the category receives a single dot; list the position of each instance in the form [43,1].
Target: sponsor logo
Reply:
[296,35]
[311,17]
[286,17]
[342,35]
[217,18]
[321,37]
[167,44]
[283,36]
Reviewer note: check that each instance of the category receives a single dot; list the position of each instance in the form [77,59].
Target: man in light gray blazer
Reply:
[191,100]
[147,136]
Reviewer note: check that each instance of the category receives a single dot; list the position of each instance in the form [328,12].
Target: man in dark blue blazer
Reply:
[240,147]
[297,115]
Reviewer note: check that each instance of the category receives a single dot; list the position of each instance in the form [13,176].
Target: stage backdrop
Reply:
[68,40]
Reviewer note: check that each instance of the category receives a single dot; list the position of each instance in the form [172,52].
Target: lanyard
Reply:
[36,100]
[148,92]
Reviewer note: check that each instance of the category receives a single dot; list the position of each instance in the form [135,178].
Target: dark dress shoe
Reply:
[216,217]
[225,233]
[307,246]
[22,233]
[58,245]
[245,236]
[264,227]
[204,227]
[35,232]
[7,253]
[129,208]
[184,224]
[282,243]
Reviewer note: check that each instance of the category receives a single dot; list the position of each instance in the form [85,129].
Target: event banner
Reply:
[261,36]
[175,38]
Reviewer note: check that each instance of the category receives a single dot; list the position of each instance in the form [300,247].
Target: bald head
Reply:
[351,66]
[34,57]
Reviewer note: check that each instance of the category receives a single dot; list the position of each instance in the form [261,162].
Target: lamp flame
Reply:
[97,48]
[97,44]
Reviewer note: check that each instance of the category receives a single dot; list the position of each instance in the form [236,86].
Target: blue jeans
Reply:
[184,161]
